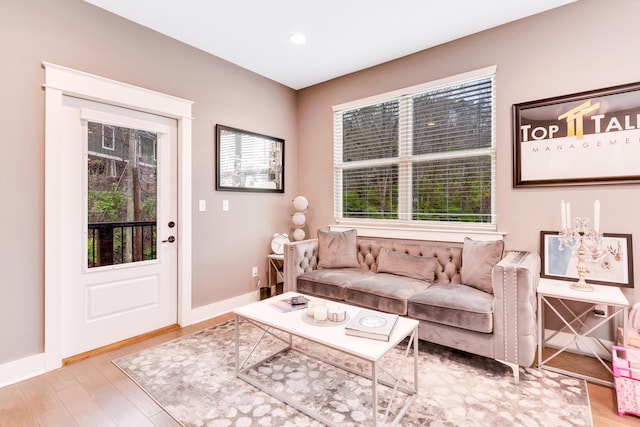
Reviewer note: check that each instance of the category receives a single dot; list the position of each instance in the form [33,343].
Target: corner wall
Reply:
[77,35]
[586,45]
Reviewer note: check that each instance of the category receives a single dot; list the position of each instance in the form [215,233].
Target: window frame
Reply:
[109,143]
[405,161]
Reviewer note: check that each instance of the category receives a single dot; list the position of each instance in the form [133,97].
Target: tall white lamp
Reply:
[300,203]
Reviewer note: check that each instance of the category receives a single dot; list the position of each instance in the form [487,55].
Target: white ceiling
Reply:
[343,36]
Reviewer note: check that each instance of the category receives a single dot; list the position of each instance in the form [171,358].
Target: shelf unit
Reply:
[275,274]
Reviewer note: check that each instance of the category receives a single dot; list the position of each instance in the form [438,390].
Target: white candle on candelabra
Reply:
[563,214]
[569,214]
[596,216]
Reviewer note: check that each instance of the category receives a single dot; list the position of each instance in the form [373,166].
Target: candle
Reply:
[311,306]
[569,214]
[336,314]
[596,216]
[320,313]
[563,214]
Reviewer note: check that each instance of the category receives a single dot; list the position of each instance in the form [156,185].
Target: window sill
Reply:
[430,234]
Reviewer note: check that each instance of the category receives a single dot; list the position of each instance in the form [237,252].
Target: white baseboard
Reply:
[31,366]
[22,369]
[210,311]
[580,347]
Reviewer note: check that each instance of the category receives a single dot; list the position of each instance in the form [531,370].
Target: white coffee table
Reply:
[267,318]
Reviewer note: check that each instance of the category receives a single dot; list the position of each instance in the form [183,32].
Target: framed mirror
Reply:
[248,161]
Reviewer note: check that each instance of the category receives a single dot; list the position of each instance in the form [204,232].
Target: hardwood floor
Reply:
[93,392]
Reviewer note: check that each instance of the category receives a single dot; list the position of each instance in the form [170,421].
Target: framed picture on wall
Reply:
[613,266]
[248,161]
[584,138]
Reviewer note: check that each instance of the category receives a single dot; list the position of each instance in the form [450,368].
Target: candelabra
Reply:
[586,244]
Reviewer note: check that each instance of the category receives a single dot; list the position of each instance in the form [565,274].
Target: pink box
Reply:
[626,376]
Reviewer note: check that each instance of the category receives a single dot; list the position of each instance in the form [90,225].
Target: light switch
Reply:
[225,205]
[202,204]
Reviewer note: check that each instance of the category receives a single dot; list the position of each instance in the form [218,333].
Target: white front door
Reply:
[118,224]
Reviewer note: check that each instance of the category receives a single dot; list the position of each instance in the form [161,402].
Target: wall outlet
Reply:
[600,310]
[254,272]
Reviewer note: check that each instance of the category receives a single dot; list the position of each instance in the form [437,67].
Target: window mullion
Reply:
[338,210]
[405,149]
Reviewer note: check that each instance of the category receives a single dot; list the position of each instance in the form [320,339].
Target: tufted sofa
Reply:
[424,280]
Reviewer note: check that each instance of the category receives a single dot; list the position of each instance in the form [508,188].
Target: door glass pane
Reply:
[121,200]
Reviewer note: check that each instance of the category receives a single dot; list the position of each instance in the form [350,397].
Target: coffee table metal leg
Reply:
[237,333]
[415,360]
[374,393]
[241,365]
[402,385]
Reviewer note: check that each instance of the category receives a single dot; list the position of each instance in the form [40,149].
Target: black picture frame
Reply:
[248,161]
[585,138]
[561,264]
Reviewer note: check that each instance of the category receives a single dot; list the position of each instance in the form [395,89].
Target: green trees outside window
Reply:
[427,156]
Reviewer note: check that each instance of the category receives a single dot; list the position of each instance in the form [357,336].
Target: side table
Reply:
[276,273]
[574,323]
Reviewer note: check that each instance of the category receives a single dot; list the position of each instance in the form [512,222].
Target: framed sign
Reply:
[248,161]
[614,267]
[579,139]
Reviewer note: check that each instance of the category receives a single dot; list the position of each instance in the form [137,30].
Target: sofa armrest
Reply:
[299,257]
[515,282]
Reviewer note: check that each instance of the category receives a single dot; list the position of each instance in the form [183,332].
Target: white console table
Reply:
[560,291]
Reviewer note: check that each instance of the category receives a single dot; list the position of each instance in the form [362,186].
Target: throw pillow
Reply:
[337,249]
[478,260]
[417,267]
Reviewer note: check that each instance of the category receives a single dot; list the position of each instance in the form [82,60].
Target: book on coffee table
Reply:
[290,304]
[371,324]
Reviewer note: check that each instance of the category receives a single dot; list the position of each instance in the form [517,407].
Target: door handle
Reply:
[170,239]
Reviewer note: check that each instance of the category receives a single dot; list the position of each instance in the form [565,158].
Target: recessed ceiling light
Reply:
[297,38]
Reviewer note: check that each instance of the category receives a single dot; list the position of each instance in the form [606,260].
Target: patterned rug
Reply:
[193,379]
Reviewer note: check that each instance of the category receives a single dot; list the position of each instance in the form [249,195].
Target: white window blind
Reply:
[419,156]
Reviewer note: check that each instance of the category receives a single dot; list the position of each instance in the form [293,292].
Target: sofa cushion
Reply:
[337,249]
[384,292]
[417,267]
[454,305]
[478,260]
[329,283]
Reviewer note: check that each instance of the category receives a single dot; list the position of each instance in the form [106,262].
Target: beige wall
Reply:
[75,34]
[586,45]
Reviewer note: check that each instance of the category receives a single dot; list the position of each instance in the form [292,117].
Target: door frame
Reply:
[60,81]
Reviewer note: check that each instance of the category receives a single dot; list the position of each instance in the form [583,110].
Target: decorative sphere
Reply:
[300,203]
[298,218]
[299,234]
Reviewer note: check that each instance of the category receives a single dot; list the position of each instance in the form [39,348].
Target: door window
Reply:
[121,195]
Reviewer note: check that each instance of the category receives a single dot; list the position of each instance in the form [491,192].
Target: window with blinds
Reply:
[421,155]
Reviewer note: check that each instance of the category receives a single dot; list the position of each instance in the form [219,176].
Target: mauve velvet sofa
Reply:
[471,296]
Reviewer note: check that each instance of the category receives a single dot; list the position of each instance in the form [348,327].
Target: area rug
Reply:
[193,379]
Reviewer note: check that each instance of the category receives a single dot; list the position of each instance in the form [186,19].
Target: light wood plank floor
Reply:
[93,392]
